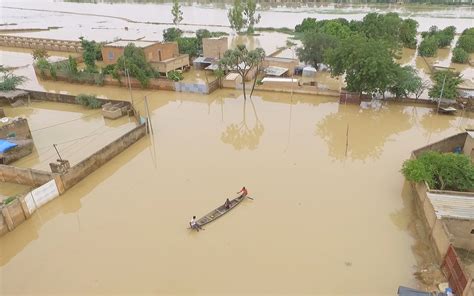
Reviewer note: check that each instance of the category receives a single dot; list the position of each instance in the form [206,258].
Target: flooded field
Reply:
[324,221]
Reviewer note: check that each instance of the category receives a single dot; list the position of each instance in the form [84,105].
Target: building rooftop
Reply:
[138,43]
[275,71]
[452,206]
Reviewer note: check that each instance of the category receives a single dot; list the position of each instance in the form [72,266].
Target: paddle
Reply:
[250,197]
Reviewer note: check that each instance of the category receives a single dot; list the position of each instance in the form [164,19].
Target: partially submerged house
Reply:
[163,56]
[449,216]
[213,50]
[15,139]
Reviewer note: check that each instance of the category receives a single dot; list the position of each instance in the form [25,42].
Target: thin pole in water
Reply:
[129,84]
[148,115]
[347,138]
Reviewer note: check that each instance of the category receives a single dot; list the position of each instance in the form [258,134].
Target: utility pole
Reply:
[441,94]
[129,84]
[147,110]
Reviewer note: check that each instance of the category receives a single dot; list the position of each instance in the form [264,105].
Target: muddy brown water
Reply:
[322,222]
[326,219]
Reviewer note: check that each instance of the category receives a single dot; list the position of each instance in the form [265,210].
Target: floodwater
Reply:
[331,213]
[325,219]
[11,189]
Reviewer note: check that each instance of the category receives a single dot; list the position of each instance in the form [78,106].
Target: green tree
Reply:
[466,42]
[172,34]
[367,63]
[382,26]
[8,80]
[460,56]
[336,29]
[40,53]
[242,61]
[43,65]
[408,30]
[442,171]
[451,82]
[250,18]
[405,82]
[188,45]
[428,46]
[133,59]
[177,13]
[236,16]
[315,45]
[307,24]
[91,52]
[202,33]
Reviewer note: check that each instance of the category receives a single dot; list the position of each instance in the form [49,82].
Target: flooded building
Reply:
[449,215]
[214,47]
[164,56]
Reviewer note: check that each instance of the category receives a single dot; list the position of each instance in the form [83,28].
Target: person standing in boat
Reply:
[194,224]
[243,192]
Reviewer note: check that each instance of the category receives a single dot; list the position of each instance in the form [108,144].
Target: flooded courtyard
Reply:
[331,215]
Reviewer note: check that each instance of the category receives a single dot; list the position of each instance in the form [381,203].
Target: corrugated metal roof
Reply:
[452,206]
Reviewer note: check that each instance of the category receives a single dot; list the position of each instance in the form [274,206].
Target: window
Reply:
[111,55]
[159,54]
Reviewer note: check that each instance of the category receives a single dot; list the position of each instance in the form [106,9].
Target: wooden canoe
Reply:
[220,211]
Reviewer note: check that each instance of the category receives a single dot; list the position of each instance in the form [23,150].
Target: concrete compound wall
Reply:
[445,145]
[63,98]
[191,87]
[38,43]
[96,160]
[24,176]
[439,235]
[461,233]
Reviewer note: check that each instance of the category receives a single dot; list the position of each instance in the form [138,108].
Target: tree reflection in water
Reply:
[240,135]
[369,129]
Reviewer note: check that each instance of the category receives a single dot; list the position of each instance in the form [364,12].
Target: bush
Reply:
[466,42]
[8,200]
[43,65]
[442,171]
[175,76]
[108,70]
[40,53]
[428,46]
[460,56]
[8,80]
[89,101]
[172,34]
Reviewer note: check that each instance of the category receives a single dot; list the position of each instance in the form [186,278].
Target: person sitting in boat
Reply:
[227,204]
[243,192]
[194,224]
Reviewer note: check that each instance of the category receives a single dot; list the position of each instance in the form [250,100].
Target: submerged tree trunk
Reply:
[254,81]
[243,87]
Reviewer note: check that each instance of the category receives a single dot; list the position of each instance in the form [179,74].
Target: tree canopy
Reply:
[242,61]
[133,59]
[449,91]
[442,171]
[367,63]
[92,51]
[243,15]
[177,13]
[315,45]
